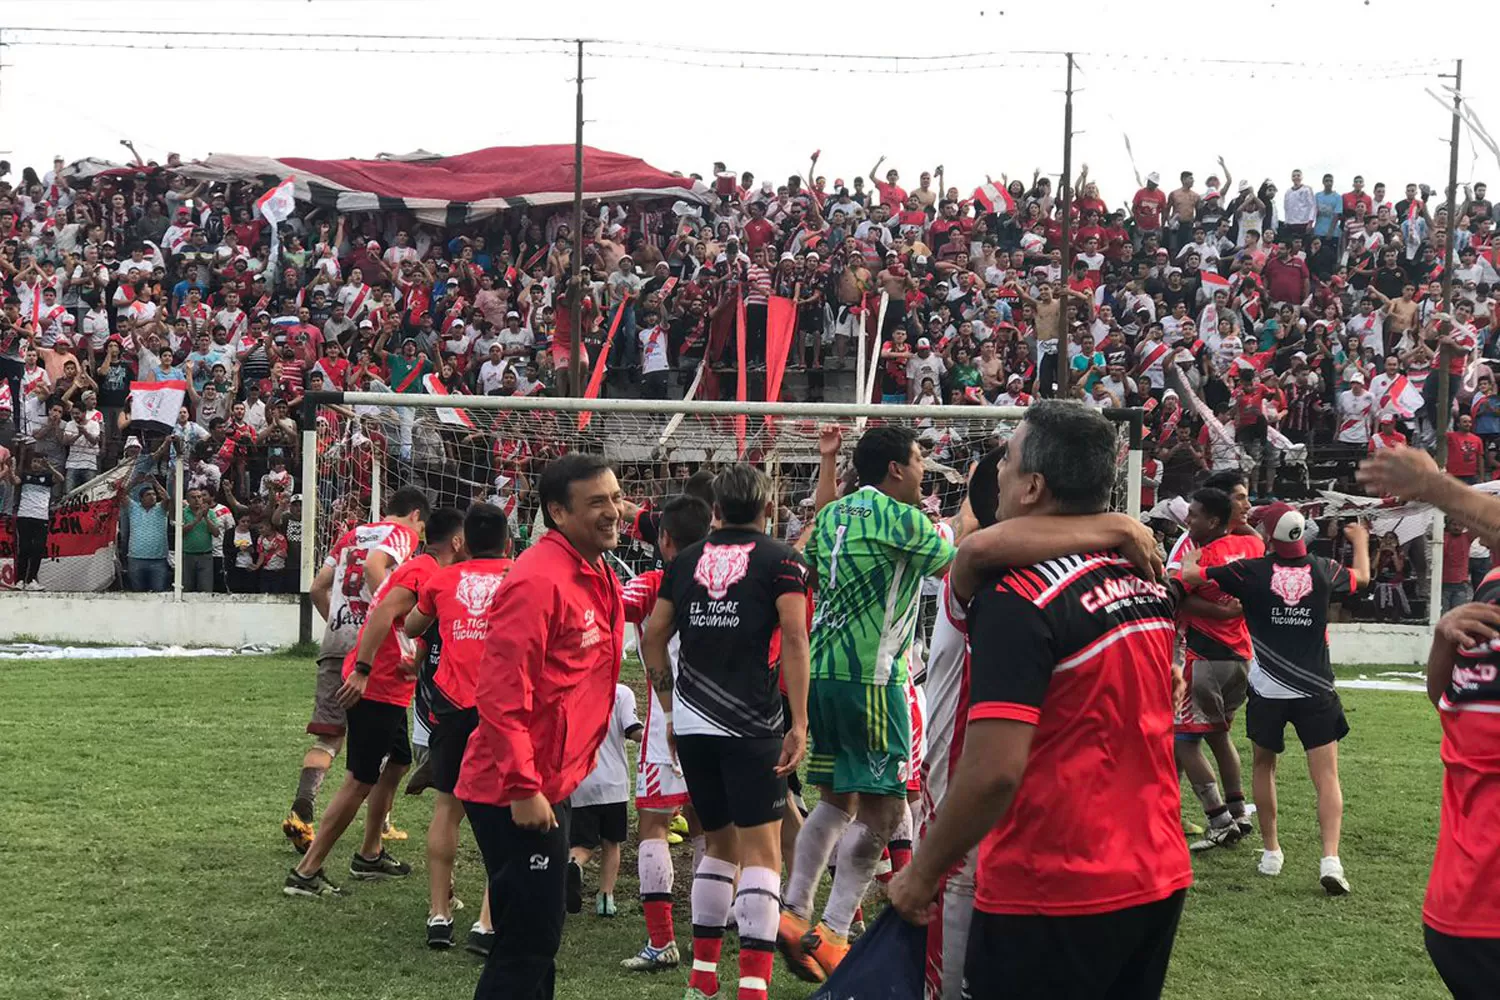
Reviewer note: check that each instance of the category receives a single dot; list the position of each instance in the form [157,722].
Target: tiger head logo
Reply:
[1291,583]
[476,591]
[721,567]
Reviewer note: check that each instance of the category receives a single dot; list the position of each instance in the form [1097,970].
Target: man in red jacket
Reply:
[545,690]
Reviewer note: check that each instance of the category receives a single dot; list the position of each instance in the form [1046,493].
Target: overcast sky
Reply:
[1002,114]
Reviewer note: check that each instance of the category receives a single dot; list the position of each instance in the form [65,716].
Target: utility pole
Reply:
[575,364]
[1444,402]
[1066,194]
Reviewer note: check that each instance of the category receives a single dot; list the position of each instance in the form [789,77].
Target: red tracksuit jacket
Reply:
[546,684]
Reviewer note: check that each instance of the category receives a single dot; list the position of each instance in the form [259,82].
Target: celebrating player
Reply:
[1217,670]
[1285,597]
[869,552]
[724,597]
[458,598]
[355,568]
[660,787]
[379,682]
[1067,774]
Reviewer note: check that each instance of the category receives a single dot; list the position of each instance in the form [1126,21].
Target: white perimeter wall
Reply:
[154,619]
[221,620]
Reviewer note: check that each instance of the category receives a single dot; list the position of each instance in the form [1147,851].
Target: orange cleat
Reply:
[825,948]
[299,832]
[789,936]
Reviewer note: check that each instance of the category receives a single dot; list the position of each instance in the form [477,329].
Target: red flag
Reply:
[600,363]
[741,388]
[781,330]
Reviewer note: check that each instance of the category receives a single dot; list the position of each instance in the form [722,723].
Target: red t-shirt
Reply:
[460,597]
[1216,638]
[1147,207]
[1465,337]
[1461,897]
[892,196]
[1463,454]
[758,233]
[1081,649]
[1456,557]
[388,683]
[1248,405]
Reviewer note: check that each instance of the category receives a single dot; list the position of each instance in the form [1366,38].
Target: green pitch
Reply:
[140,838]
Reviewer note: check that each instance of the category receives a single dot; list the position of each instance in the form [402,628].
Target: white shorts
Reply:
[659,788]
[846,322]
[948,936]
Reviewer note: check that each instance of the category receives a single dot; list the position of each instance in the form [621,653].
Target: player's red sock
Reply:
[884,878]
[755,969]
[859,914]
[707,943]
[900,855]
[659,920]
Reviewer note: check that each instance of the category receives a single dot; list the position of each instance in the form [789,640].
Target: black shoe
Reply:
[380,867]
[439,933]
[575,887]
[316,884]
[480,942]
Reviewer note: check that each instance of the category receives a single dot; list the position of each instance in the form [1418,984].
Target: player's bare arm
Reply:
[1043,538]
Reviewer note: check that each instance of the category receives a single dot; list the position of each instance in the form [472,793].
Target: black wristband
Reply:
[362,668]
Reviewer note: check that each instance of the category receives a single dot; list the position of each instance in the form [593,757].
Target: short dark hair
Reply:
[878,447]
[741,492]
[984,488]
[1226,480]
[1215,504]
[442,524]
[486,530]
[558,478]
[701,485]
[685,519]
[408,499]
[1074,449]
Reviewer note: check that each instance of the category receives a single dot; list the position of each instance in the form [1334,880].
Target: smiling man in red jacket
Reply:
[545,691]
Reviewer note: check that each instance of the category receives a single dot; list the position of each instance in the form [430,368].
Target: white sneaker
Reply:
[1331,874]
[1271,862]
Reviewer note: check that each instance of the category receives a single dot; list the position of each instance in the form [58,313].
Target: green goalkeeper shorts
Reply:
[861,737]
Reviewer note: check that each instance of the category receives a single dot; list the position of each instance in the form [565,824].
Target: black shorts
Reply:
[1319,720]
[446,742]
[1470,967]
[593,825]
[376,731]
[732,779]
[1121,955]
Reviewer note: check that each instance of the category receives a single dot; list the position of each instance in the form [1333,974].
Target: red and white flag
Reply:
[276,205]
[1401,398]
[158,401]
[1213,282]
[447,415]
[994,198]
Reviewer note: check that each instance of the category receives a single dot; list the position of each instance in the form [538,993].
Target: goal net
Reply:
[462,449]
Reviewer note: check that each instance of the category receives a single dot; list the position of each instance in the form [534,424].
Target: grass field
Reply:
[141,843]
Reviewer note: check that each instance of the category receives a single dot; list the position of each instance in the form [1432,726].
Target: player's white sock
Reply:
[859,850]
[700,847]
[757,909]
[713,892]
[815,843]
[654,866]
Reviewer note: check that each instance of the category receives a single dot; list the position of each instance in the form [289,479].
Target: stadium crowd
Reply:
[1254,328]
[1287,332]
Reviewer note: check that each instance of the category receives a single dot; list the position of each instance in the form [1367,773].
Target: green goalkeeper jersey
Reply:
[870,553]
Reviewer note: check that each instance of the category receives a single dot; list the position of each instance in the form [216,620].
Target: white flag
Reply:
[276,205]
[158,401]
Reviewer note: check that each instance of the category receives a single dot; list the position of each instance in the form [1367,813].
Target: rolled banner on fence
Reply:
[601,364]
[741,384]
[781,331]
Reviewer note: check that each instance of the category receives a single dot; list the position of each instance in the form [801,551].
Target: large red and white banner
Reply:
[81,540]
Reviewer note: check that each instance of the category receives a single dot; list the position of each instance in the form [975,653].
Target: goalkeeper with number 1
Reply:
[869,552]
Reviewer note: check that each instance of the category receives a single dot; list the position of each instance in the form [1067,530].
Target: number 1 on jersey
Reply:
[833,556]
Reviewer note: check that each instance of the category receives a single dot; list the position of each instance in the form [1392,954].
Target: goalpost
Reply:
[359,447]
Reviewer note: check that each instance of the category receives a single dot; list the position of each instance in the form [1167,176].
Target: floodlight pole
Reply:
[1066,194]
[1444,402]
[575,304]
